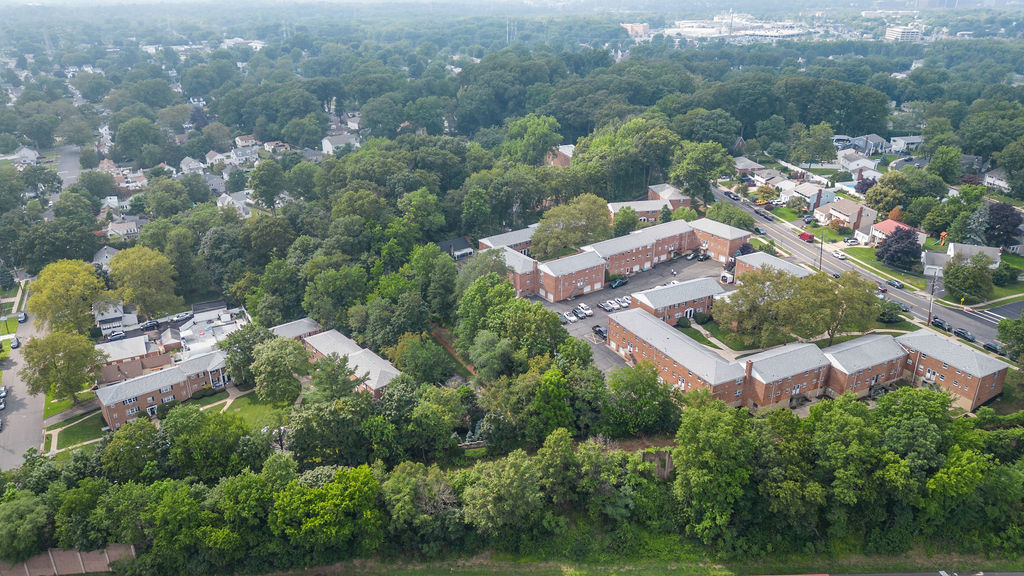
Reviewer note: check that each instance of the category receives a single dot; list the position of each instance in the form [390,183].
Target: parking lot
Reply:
[604,358]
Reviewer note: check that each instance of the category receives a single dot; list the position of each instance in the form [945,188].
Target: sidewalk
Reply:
[73,412]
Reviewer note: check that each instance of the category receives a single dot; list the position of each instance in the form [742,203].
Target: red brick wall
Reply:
[669,313]
[719,248]
[840,382]
[117,414]
[968,392]
[525,284]
[559,288]
[810,384]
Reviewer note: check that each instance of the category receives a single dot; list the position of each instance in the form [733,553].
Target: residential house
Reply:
[870,145]
[297,329]
[247,141]
[131,357]
[646,210]
[717,240]
[207,328]
[997,178]
[276,147]
[113,317]
[332,144]
[668,192]
[866,174]
[638,336]
[102,257]
[214,157]
[971,377]
[518,240]
[678,299]
[813,195]
[761,260]
[885,228]
[123,230]
[365,363]
[848,213]
[192,166]
[107,165]
[26,156]
[767,176]
[850,160]
[238,201]
[745,166]
[560,155]
[934,263]
[905,143]
[862,364]
[141,396]
[353,121]
[782,375]
[240,156]
[457,248]
[966,251]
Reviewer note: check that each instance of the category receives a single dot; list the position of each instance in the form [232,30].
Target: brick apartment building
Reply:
[761,260]
[563,278]
[131,357]
[646,210]
[678,299]
[141,396]
[297,329]
[717,240]
[778,376]
[674,195]
[642,249]
[523,274]
[518,240]
[378,371]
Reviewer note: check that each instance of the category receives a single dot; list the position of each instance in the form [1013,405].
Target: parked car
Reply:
[759,230]
[3,404]
[562,318]
[807,237]
[613,305]
[903,307]
[881,287]
[585,309]
[691,255]
[994,347]
[115,335]
[605,306]
[808,219]
[839,255]
[150,325]
[702,257]
[622,302]
[895,284]
[600,331]
[3,391]
[619,282]
[1,424]
[181,316]
[15,343]
[22,317]
[836,275]
[580,314]
[629,299]
[732,195]
[964,333]
[569,317]
[850,240]
[940,323]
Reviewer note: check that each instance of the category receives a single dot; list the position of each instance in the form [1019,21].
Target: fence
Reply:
[57,561]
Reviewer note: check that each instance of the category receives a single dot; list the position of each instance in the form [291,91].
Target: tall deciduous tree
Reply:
[945,163]
[639,402]
[144,277]
[267,181]
[64,294]
[276,366]
[61,364]
[625,222]
[565,228]
[970,279]
[900,249]
[1003,223]
[528,139]
[847,304]
[697,165]
[23,522]
[241,351]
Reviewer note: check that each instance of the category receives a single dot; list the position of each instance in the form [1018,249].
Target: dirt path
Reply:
[442,336]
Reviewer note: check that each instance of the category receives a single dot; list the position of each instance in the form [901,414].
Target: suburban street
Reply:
[23,418]
[982,324]
[68,167]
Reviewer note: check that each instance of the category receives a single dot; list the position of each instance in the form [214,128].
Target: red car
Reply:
[807,237]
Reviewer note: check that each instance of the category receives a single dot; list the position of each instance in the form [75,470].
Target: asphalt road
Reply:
[23,418]
[68,167]
[983,326]
[604,357]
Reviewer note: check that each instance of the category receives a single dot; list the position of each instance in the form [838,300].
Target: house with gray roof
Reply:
[970,376]
[966,251]
[761,260]
[786,373]
[861,365]
[679,299]
[668,192]
[297,329]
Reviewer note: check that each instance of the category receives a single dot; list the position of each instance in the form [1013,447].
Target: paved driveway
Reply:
[23,418]
[604,358]
[68,167]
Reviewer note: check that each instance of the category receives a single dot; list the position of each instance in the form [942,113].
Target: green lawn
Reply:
[740,341]
[9,293]
[696,335]
[47,443]
[82,431]
[256,414]
[10,326]
[212,399]
[867,256]
[901,325]
[786,213]
[829,234]
[1014,260]
[53,408]
[1005,291]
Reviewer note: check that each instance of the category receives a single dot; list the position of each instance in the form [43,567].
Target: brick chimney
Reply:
[746,371]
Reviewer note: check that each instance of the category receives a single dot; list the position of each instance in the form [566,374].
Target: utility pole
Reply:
[931,297]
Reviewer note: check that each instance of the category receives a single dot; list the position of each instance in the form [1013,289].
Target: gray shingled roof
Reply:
[121,349]
[718,229]
[141,385]
[667,191]
[333,342]
[952,353]
[639,205]
[684,350]
[296,328]
[570,264]
[662,296]
[762,259]
[786,361]
[864,352]
[378,371]
[510,238]
[519,263]
[744,163]
[638,238]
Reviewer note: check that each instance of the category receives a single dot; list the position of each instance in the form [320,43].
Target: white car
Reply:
[585,309]
[570,317]
[839,254]
[181,316]
[613,304]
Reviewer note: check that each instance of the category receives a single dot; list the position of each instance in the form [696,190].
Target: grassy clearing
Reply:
[866,256]
[740,342]
[68,422]
[256,414]
[902,325]
[212,399]
[82,431]
[9,293]
[786,213]
[696,335]
[10,326]
[1012,398]
[52,408]
[1017,288]
[1014,260]
[829,234]
[47,443]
